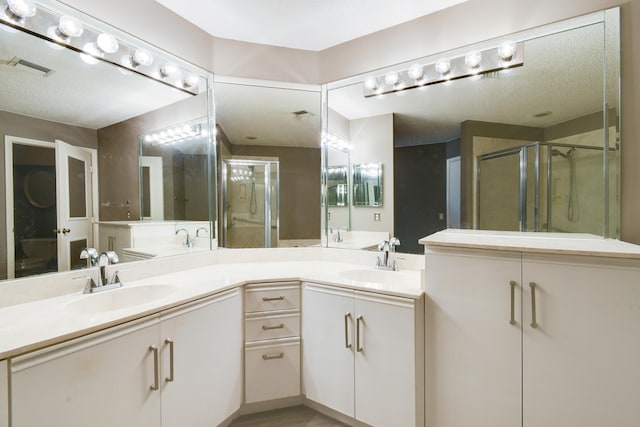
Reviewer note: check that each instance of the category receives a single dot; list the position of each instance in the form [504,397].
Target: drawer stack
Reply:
[272,341]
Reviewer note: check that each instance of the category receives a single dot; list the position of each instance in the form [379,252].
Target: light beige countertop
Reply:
[535,242]
[39,323]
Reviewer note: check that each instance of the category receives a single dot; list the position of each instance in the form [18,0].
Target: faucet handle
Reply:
[393,242]
[382,244]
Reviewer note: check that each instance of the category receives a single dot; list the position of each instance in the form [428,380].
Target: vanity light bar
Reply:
[174,134]
[333,140]
[507,55]
[62,27]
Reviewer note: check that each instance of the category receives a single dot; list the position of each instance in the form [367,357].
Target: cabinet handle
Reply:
[358,346]
[272,356]
[266,328]
[280,298]
[347,344]
[170,342]
[513,285]
[534,324]
[156,367]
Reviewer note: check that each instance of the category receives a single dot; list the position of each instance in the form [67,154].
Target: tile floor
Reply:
[297,416]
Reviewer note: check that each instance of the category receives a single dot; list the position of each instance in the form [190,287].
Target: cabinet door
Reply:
[101,380]
[385,361]
[206,386]
[327,340]
[4,394]
[472,349]
[580,364]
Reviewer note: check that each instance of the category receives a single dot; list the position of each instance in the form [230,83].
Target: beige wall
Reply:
[460,25]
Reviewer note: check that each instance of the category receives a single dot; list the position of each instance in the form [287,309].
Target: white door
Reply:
[385,375]
[580,362]
[74,183]
[205,387]
[328,346]
[472,346]
[152,187]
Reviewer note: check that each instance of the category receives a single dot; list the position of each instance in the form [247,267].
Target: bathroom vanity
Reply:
[226,328]
[531,329]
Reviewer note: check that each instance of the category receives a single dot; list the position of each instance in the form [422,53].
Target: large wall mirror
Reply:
[268,137]
[517,133]
[84,109]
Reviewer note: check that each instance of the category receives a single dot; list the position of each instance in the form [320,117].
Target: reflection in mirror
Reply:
[527,148]
[74,114]
[267,124]
[367,184]
[337,185]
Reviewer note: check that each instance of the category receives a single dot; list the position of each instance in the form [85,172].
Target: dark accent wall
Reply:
[420,193]
[299,187]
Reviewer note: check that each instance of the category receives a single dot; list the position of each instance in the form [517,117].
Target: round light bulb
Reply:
[91,52]
[473,59]
[190,82]
[370,83]
[69,27]
[52,33]
[141,57]
[107,43]
[21,8]
[168,69]
[506,50]
[416,72]
[392,79]
[443,66]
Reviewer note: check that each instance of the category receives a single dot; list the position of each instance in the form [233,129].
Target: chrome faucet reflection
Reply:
[386,263]
[187,242]
[203,229]
[102,262]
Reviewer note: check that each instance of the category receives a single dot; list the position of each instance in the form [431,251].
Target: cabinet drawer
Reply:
[277,296]
[272,371]
[276,325]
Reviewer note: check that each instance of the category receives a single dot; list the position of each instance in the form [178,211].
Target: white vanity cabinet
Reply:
[204,386]
[4,394]
[123,376]
[532,339]
[272,341]
[102,379]
[362,354]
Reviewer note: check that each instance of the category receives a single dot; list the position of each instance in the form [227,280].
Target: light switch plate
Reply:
[376,216]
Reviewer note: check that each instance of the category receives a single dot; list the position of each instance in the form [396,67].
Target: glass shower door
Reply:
[499,191]
[250,204]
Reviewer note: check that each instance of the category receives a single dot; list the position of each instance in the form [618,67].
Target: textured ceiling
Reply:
[76,93]
[310,25]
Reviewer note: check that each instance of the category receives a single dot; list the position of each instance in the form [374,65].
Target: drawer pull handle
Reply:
[347,344]
[156,368]
[170,342]
[513,285]
[266,328]
[280,298]
[273,356]
[534,323]
[359,348]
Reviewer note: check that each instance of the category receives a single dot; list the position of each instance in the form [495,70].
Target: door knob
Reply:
[65,231]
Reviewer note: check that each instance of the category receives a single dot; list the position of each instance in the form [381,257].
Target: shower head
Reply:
[566,155]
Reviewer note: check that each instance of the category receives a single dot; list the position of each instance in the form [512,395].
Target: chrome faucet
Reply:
[91,255]
[187,242]
[106,259]
[340,236]
[386,263]
[198,231]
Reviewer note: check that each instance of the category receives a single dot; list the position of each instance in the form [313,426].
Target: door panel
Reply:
[75,206]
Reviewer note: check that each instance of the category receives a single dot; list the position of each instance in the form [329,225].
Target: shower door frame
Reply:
[523,154]
[270,166]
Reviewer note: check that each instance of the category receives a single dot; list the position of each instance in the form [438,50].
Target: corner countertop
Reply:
[37,324]
[535,242]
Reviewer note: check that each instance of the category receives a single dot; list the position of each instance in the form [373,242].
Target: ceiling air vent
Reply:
[30,67]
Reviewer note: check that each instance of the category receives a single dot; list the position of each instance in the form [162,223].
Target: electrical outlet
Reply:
[376,216]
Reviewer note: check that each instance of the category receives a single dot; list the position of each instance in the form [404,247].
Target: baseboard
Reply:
[285,402]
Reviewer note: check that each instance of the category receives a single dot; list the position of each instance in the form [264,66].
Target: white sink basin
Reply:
[117,299]
[373,276]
